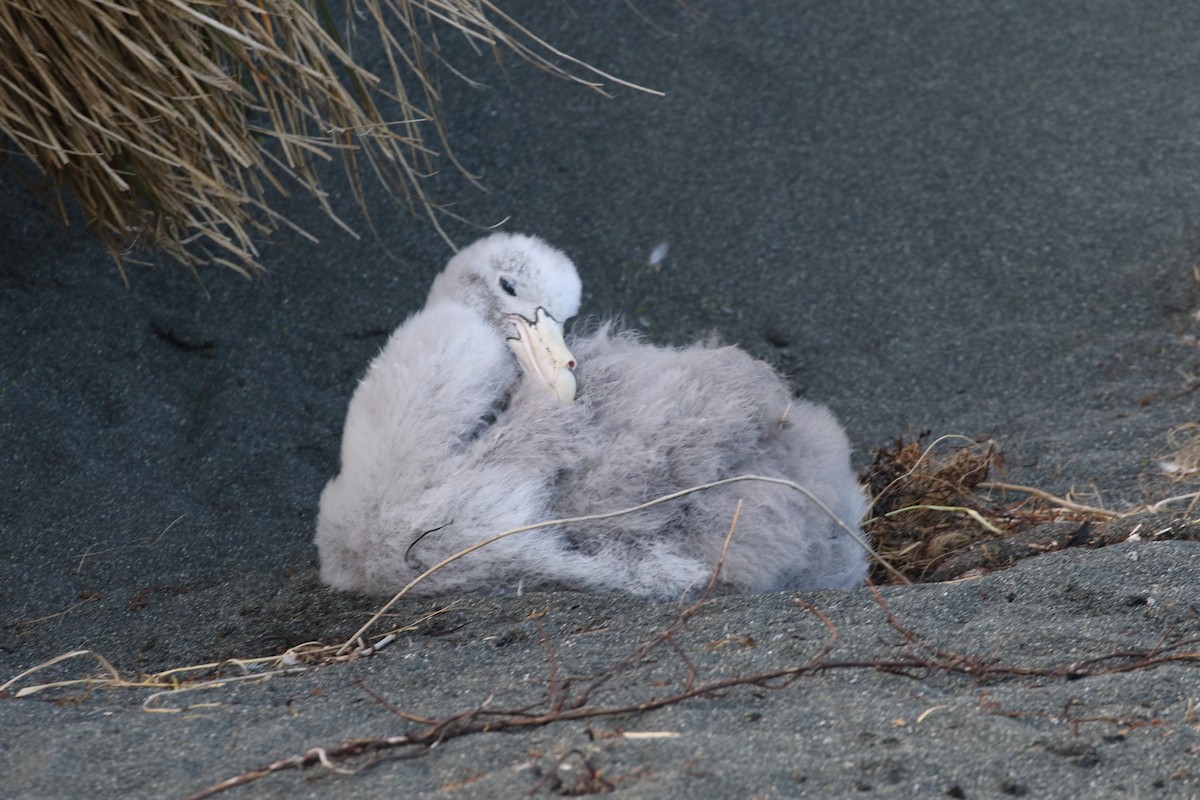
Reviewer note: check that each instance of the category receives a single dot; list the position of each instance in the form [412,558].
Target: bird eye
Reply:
[508,287]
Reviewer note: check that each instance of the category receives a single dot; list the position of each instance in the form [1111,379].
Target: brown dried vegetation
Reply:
[939,513]
[174,124]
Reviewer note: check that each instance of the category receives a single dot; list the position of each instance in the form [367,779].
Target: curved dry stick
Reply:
[104,662]
[1067,505]
[712,581]
[970,512]
[920,657]
[1070,505]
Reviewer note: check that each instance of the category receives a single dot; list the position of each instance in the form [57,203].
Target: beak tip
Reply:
[564,386]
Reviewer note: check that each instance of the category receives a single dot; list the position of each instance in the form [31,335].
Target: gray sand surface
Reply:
[961,217]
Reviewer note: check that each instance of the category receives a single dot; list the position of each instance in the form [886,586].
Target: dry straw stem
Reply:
[1070,507]
[1181,463]
[198,677]
[172,123]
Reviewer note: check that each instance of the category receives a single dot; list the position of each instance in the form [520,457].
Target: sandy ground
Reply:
[973,218]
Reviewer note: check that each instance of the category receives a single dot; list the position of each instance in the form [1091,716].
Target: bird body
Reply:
[450,438]
[665,419]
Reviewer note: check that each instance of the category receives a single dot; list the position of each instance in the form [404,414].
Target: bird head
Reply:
[526,290]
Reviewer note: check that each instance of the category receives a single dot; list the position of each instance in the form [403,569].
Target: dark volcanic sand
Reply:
[961,217]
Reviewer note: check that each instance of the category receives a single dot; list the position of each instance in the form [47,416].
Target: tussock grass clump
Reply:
[171,121]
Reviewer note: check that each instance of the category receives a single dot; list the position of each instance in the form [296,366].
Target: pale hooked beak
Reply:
[540,348]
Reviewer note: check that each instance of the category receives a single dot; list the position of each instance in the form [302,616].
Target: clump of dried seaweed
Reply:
[926,505]
[938,513]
